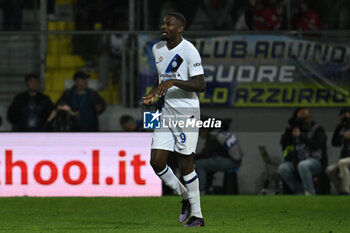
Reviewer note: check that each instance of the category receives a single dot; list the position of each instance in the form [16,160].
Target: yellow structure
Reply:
[62,63]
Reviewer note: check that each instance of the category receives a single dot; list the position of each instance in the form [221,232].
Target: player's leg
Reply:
[185,146]
[165,173]
[158,160]
[192,184]
[344,174]
[162,142]
[332,172]
[306,169]
[287,171]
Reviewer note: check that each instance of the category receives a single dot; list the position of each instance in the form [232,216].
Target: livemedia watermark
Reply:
[188,122]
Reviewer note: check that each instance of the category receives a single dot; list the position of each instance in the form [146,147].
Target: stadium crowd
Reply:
[259,15]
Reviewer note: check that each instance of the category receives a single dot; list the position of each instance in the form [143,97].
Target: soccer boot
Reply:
[185,211]
[195,222]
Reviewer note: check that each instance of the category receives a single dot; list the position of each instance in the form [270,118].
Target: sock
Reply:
[192,184]
[169,178]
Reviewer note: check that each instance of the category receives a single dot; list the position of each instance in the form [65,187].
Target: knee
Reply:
[303,167]
[157,165]
[329,170]
[342,163]
[284,169]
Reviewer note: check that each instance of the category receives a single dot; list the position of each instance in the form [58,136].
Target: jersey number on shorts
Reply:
[183,138]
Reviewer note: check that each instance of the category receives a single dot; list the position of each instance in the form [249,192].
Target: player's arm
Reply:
[149,98]
[195,84]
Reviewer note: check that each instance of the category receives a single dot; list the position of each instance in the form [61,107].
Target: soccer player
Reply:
[180,76]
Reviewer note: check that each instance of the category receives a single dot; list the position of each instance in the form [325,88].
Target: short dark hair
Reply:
[296,111]
[30,76]
[80,74]
[179,17]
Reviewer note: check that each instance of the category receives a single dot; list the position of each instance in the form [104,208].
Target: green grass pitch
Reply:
[222,214]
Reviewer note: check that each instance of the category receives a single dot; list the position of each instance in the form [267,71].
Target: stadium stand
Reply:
[62,62]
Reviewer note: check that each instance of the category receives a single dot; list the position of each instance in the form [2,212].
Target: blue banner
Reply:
[264,70]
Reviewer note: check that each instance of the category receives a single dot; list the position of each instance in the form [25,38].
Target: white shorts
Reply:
[175,140]
[183,141]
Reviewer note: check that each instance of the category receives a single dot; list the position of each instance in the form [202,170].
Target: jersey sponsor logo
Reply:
[174,64]
[167,75]
[197,64]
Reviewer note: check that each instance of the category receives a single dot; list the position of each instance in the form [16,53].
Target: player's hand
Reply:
[347,135]
[164,86]
[148,99]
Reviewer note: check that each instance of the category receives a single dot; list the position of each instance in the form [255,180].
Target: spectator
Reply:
[305,151]
[280,8]
[129,124]
[307,18]
[63,119]
[84,102]
[339,172]
[221,152]
[245,16]
[30,109]
[265,16]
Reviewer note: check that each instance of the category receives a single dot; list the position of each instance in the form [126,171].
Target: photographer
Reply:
[62,119]
[339,172]
[304,148]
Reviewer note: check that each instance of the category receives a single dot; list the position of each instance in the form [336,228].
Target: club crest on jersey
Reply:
[174,64]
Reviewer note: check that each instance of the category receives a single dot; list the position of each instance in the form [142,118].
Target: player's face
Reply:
[170,28]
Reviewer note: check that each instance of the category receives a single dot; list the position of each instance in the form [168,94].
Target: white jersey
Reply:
[181,62]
